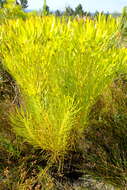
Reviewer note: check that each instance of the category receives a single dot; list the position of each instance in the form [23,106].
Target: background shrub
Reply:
[106,153]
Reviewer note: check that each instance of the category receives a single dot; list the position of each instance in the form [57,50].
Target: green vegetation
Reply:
[11,11]
[62,99]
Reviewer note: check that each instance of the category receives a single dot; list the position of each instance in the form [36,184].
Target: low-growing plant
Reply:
[105,157]
[61,68]
[11,10]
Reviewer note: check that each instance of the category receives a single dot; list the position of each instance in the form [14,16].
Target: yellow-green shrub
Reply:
[11,11]
[61,68]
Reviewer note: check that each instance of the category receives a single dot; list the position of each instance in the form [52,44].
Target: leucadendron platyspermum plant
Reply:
[61,68]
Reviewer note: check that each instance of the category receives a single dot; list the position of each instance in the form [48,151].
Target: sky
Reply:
[88,5]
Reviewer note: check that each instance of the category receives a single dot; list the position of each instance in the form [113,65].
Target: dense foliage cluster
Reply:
[59,84]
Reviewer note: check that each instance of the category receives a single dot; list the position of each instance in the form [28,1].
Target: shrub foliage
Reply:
[61,68]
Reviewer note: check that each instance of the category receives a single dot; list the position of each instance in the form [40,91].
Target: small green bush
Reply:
[61,68]
[11,11]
